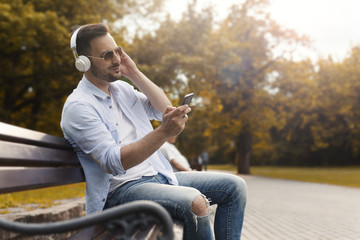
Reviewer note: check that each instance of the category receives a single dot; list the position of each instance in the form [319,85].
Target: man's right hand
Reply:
[173,124]
[174,119]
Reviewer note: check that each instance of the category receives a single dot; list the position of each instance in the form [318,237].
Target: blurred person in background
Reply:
[205,159]
[174,156]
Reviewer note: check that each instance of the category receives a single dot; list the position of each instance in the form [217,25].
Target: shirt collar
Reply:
[92,88]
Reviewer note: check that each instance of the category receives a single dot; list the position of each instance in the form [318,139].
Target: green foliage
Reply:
[320,109]
[36,65]
[249,103]
[227,67]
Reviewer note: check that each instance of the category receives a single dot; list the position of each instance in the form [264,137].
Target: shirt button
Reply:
[103,200]
[110,106]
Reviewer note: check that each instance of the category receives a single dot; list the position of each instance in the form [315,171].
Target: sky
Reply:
[332,25]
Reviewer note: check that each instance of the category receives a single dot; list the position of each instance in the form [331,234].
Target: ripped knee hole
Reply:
[200,206]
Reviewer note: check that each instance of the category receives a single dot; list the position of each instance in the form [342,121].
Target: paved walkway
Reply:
[292,210]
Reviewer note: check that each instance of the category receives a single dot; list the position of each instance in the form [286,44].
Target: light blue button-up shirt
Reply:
[90,127]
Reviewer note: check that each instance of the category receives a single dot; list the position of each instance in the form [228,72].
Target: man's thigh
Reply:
[215,186]
[176,199]
[161,193]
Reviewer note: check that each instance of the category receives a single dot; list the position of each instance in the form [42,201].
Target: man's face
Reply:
[102,70]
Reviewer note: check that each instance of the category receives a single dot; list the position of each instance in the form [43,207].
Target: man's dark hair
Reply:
[86,34]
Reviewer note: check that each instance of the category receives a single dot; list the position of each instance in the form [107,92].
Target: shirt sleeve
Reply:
[83,125]
[152,113]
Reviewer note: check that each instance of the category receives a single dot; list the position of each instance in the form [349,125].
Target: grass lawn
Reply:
[344,176]
[43,198]
[40,198]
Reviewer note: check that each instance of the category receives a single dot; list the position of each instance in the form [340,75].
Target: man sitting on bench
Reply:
[108,124]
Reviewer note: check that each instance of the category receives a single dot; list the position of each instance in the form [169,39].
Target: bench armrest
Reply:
[124,219]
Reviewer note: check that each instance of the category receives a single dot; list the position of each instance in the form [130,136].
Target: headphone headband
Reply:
[73,38]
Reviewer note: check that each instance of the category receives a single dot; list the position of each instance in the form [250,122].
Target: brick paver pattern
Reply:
[293,210]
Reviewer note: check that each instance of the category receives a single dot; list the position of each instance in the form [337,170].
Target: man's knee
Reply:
[200,206]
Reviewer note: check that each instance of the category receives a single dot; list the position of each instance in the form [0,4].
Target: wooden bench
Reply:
[43,160]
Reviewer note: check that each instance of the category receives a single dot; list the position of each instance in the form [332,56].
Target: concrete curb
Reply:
[72,209]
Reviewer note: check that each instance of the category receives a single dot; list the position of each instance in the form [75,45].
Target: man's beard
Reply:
[101,74]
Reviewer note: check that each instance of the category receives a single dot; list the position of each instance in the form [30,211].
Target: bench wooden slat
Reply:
[32,160]
[150,234]
[18,154]
[22,135]
[88,233]
[12,180]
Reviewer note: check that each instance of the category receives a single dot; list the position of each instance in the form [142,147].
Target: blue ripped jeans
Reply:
[228,191]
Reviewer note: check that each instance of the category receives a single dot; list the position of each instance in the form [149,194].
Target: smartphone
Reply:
[187,99]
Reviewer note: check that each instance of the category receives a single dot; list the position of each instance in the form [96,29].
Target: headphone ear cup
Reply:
[82,63]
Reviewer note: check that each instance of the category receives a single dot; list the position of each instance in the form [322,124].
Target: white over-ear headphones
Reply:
[82,63]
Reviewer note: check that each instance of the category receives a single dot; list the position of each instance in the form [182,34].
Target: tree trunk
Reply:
[244,146]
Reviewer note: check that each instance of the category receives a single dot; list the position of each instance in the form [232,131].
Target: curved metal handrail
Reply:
[110,217]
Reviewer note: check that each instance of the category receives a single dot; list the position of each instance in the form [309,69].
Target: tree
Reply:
[36,68]
[174,57]
[296,107]
[336,133]
[244,60]
[318,108]
[227,66]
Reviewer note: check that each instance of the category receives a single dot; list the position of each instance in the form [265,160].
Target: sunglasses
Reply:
[109,55]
